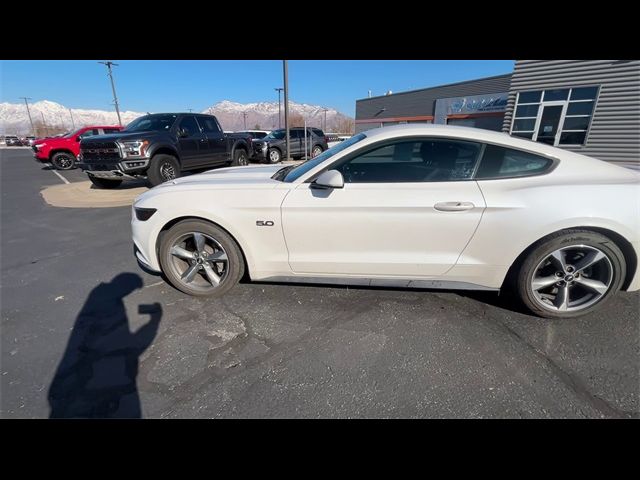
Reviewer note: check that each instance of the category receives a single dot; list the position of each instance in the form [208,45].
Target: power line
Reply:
[113,88]
[33,131]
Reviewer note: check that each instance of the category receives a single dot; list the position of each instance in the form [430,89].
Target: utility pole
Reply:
[285,72]
[33,131]
[44,124]
[325,118]
[244,116]
[279,90]
[113,88]
[73,124]
[190,109]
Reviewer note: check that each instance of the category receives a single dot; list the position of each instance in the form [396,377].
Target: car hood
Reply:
[232,178]
[120,136]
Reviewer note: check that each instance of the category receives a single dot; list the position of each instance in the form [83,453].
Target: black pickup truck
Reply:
[160,147]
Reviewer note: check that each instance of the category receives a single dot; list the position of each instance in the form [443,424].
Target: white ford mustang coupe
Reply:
[422,206]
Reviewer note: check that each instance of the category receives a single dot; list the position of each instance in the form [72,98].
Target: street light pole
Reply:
[244,116]
[33,131]
[279,90]
[285,71]
[46,129]
[325,118]
[113,88]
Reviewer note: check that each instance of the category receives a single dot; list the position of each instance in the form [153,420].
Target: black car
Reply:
[160,147]
[12,141]
[272,148]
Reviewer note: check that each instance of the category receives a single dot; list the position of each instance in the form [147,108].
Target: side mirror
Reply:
[78,138]
[183,132]
[329,179]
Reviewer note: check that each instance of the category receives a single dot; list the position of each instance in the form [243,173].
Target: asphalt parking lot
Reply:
[85,332]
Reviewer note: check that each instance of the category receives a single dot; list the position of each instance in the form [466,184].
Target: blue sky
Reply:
[178,85]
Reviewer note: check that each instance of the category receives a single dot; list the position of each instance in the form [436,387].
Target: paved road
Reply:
[74,342]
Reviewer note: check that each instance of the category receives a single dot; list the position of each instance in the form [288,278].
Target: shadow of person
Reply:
[96,377]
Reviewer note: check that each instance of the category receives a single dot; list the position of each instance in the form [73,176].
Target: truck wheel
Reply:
[63,161]
[104,182]
[274,155]
[200,259]
[240,158]
[162,169]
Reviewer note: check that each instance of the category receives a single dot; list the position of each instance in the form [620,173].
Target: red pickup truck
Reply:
[63,151]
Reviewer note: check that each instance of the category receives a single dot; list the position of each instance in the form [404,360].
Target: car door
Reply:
[408,209]
[295,136]
[217,150]
[193,144]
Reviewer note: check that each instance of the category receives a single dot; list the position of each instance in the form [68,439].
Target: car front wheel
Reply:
[163,168]
[200,259]
[273,155]
[570,274]
[63,161]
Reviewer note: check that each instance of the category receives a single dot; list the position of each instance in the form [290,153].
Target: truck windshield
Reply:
[292,173]
[155,123]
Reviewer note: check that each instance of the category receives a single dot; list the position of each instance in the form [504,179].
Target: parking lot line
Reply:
[56,172]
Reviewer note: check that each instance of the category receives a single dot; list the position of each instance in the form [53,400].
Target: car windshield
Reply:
[155,123]
[275,135]
[71,134]
[292,173]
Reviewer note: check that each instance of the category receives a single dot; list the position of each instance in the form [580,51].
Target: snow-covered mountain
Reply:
[265,114]
[14,119]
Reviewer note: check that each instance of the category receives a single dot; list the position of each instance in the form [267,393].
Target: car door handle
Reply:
[453,206]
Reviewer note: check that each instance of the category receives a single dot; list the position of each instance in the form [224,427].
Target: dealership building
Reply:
[586,106]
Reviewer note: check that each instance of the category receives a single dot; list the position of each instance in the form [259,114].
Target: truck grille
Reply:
[97,151]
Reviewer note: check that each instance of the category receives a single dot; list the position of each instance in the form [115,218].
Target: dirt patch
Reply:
[83,195]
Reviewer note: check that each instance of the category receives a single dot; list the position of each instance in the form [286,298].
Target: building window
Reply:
[556,116]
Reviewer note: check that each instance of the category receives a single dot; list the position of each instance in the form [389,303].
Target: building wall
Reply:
[614,134]
[421,103]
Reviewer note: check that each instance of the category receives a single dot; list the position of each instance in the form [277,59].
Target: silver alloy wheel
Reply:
[242,159]
[274,156]
[199,260]
[572,278]
[167,172]
[316,151]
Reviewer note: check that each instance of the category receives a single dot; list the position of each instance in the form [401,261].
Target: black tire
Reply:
[160,169]
[274,155]
[104,182]
[234,266]
[63,161]
[240,158]
[524,275]
[317,150]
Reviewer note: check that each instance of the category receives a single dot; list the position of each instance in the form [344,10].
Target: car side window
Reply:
[190,124]
[432,160]
[294,134]
[208,125]
[111,130]
[500,162]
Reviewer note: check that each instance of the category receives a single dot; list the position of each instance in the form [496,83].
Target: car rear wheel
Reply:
[240,158]
[570,274]
[317,150]
[274,155]
[200,259]
[104,182]
[163,168]
[63,161]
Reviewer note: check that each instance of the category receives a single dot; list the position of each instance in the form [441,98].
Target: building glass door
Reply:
[549,122]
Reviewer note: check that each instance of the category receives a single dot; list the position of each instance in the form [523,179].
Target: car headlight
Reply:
[39,145]
[134,149]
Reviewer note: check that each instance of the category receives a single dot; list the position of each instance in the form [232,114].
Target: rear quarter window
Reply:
[502,162]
